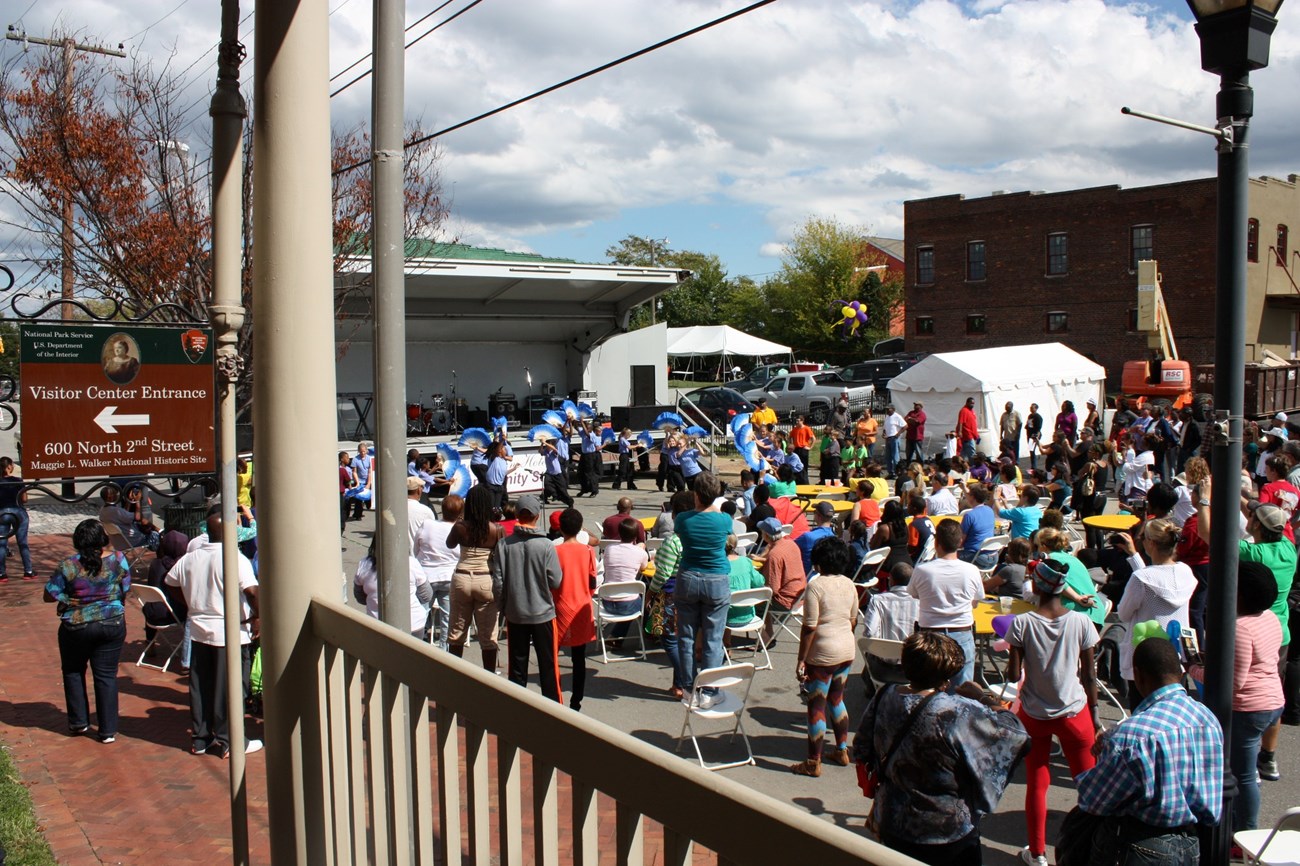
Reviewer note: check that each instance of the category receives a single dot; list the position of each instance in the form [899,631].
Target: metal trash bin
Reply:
[184,518]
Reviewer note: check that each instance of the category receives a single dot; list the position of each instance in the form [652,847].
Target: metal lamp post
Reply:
[1234,40]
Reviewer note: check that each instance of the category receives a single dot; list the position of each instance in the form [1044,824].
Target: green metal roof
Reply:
[420,248]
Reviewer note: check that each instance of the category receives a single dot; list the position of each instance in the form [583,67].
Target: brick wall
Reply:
[1097,292]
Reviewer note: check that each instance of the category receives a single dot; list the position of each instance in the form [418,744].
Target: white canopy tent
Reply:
[721,341]
[1046,373]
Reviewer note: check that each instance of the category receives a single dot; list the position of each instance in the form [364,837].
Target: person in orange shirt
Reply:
[865,431]
[801,439]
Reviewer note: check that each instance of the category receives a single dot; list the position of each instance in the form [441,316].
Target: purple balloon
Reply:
[1002,623]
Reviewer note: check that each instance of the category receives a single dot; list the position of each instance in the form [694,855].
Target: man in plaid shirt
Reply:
[1159,774]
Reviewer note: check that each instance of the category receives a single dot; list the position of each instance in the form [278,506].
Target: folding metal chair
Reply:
[992,544]
[606,543]
[781,618]
[135,556]
[1101,686]
[146,594]
[885,650]
[745,542]
[1279,846]
[603,617]
[732,683]
[870,560]
[751,599]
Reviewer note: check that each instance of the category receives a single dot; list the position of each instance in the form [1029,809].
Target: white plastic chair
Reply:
[870,559]
[927,552]
[146,594]
[745,542]
[992,544]
[653,544]
[605,544]
[603,618]
[1279,846]
[751,598]
[885,650]
[732,683]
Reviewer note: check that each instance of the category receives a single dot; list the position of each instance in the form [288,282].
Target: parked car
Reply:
[716,405]
[812,395]
[762,374]
[878,372]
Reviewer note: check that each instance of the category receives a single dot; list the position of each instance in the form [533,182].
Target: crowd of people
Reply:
[942,530]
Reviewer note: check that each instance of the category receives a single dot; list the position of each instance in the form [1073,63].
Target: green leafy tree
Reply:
[697,301]
[826,263]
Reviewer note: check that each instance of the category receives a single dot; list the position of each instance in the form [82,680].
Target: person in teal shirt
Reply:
[1080,592]
[784,483]
[1026,516]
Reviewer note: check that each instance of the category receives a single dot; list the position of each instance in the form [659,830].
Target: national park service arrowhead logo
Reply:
[195,344]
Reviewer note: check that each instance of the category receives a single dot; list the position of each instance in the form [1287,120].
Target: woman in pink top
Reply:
[1256,689]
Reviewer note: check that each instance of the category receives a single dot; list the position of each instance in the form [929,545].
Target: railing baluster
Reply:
[508,808]
[586,825]
[376,733]
[334,718]
[448,785]
[546,834]
[629,836]
[677,848]
[476,782]
[354,701]
[421,784]
[396,702]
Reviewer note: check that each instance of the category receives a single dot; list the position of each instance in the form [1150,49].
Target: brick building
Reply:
[1036,267]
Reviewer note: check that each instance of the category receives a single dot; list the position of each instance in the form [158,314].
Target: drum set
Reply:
[439,418]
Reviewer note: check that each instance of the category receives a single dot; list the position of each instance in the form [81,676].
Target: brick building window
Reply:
[1058,323]
[1058,254]
[1252,240]
[925,265]
[1141,245]
[925,325]
[975,265]
[976,324]
[1281,245]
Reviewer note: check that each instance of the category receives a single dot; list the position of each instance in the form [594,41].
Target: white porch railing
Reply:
[395,791]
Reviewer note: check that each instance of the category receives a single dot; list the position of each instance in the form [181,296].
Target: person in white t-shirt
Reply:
[417,513]
[948,590]
[200,576]
[439,563]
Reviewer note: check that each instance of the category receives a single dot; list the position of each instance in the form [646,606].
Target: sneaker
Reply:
[706,700]
[1032,859]
[253,746]
[78,731]
[1268,769]
[111,738]
[219,750]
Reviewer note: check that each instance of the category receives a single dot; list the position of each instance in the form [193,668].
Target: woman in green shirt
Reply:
[743,576]
[1080,592]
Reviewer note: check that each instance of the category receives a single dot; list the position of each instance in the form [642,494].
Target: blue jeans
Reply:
[891,454]
[702,600]
[15,519]
[968,449]
[668,640]
[442,615]
[1172,849]
[1247,729]
[621,608]
[99,645]
[979,560]
[966,640]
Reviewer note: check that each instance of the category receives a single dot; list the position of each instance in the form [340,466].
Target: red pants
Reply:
[1076,736]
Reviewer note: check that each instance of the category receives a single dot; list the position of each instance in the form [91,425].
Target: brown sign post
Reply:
[102,401]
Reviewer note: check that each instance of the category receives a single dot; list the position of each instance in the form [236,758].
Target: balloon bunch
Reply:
[853,315]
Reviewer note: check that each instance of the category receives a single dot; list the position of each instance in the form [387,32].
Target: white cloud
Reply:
[826,107]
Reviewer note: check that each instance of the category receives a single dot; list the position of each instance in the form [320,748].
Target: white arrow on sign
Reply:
[108,422]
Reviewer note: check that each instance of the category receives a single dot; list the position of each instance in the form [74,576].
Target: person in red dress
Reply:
[575,626]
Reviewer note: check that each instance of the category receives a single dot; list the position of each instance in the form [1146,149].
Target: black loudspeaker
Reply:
[636,418]
[475,418]
[643,384]
[504,405]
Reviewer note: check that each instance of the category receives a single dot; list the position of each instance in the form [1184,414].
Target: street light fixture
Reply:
[1234,40]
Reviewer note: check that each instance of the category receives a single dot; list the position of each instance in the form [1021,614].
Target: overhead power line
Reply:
[445,21]
[635,54]
[416,23]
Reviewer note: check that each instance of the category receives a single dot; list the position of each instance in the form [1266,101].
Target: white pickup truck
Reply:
[812,395]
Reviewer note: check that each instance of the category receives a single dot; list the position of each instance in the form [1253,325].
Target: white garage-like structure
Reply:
[1046,373]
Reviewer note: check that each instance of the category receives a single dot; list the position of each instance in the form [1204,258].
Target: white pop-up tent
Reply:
[722,341]
[1046,373]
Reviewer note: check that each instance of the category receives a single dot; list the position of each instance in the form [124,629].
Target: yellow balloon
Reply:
[847,312]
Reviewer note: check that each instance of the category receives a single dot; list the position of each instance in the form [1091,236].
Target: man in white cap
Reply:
[416,511]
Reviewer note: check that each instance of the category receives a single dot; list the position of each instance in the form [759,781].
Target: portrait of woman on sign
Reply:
[120,358]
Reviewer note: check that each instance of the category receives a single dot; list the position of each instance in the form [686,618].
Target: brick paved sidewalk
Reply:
[141,800]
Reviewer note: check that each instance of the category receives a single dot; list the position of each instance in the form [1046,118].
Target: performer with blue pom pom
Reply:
[555,452]
[589,457]
[628,449]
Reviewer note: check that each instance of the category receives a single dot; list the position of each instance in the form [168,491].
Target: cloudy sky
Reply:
[728,140]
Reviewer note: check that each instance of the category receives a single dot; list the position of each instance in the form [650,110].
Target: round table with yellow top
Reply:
[649,522]
[1112,522]
[811,490]
[649,570]
[841,506]
[989,608]
[939,518]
